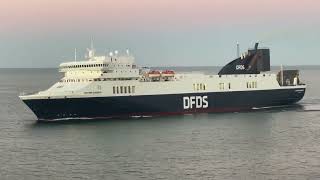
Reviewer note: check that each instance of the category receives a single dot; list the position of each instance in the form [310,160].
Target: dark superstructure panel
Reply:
[253,62]
[263,59]
[287,77]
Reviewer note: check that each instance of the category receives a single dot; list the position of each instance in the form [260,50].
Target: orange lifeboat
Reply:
[154,73]
[167,73]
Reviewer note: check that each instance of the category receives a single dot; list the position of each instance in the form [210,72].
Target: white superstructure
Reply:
[117,75]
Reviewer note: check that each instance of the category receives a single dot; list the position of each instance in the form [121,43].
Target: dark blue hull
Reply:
[169,104]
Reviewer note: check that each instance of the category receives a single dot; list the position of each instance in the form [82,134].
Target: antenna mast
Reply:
[75,54]
[281,75]
[238,50]
[91,51]
[91,43]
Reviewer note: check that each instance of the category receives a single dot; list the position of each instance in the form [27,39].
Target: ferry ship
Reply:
[113,86]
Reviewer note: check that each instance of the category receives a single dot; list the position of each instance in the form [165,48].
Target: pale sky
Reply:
[44,33]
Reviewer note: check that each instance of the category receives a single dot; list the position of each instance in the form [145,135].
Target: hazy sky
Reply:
[44,33]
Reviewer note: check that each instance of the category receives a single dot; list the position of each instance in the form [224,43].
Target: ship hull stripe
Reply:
[160,105]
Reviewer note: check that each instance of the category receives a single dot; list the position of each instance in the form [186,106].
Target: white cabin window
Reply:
[133,89]
[121,89]
[252,84]
[199,86]
[129,89]
[221,86]
[125,89]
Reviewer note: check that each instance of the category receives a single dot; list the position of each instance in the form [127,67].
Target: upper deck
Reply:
[100,63]
[112,66]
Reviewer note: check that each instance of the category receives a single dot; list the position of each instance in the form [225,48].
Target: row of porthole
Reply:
[124,89]
[252,84]
[75,80]
[121,71]
[222,86]
[93,65]
[98,79]
[199,87]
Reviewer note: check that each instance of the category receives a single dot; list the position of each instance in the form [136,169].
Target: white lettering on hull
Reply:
[197,102]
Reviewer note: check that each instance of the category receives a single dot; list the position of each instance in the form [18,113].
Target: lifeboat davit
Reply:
[167,73]
[154,73]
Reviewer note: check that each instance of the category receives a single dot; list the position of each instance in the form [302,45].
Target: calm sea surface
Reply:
[282,143]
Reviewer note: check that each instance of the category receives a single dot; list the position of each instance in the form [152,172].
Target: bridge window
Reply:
[121,89]
[129,89]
